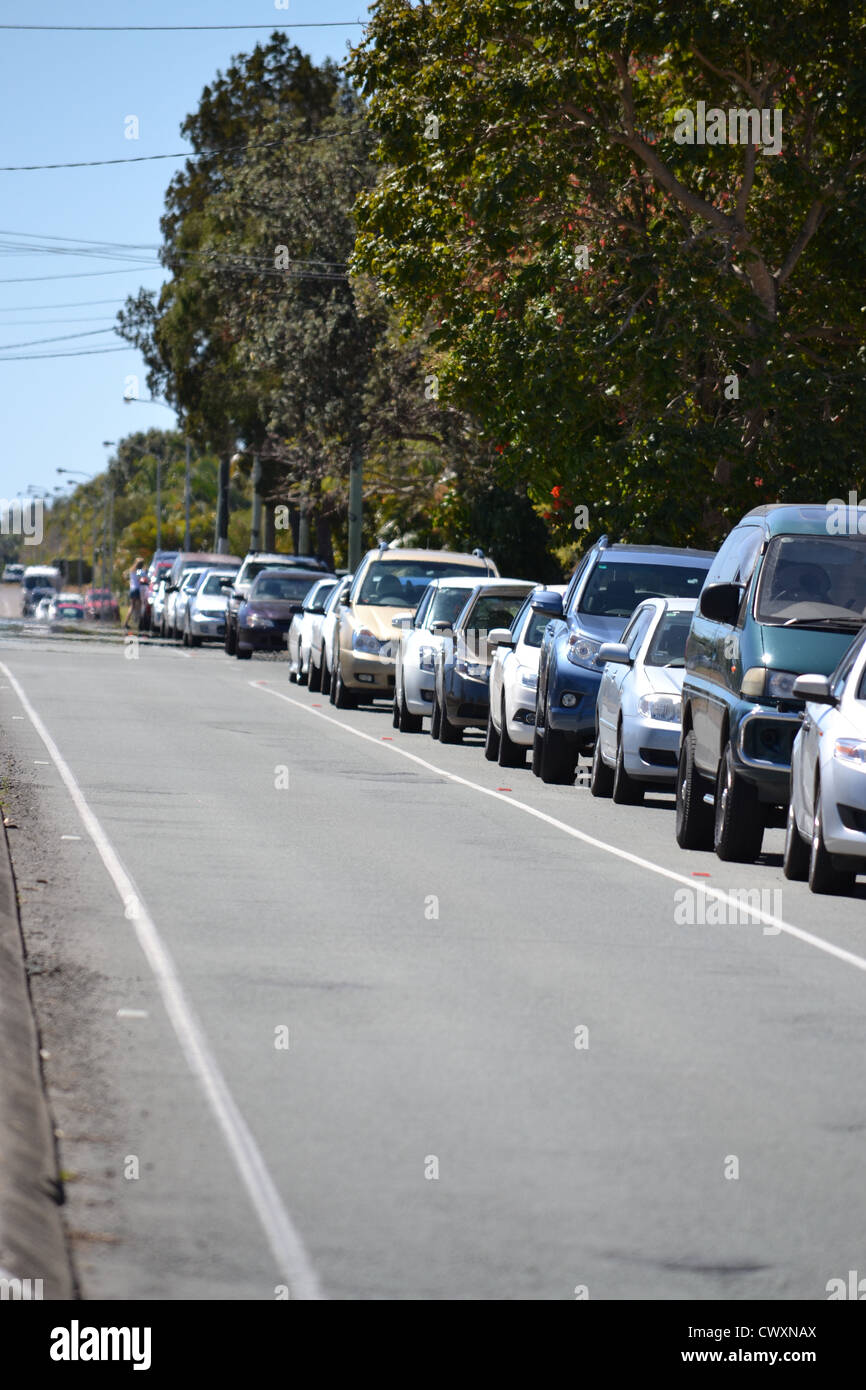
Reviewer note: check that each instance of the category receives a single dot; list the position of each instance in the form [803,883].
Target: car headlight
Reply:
[475,670]
[426,657]
[257,620]
[851,751]
[667,708]
[582,651]
[759,682]
[365,641]
[528,677]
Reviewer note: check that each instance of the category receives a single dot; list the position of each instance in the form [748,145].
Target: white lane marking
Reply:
[42,762]
[70,837]
[132,1013]
[757,913]
[285,1242]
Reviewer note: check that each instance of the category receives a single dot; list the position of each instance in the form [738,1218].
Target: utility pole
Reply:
[158,453]
[222,518]
[256,528]
[356,503]
[187,542]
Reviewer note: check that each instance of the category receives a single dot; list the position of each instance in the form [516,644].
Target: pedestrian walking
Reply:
[133,616]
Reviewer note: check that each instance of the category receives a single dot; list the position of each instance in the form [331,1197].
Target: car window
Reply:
[639,630]
[447,604]
[737,555]
[423,607]
[815,580]
[494,610]
[668,645]
[213,585]
[400,583]
[846,664]
[276,587]
[617,586]
[574,583]
[316,604]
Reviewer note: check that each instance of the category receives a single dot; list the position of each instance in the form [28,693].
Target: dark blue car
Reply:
[605,589]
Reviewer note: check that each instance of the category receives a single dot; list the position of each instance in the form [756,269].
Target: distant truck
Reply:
[38,581]
[13,574]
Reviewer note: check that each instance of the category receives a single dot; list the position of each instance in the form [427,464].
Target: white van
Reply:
[38,581]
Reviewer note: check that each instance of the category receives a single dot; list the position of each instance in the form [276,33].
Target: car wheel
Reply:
[326,676]
[535,761]
[408,723]
[395,712]
[231,640]
[694,820]
[510,753]
[738,828]
[625,791]
[302,676]
[435,718]
[343,698]
[823,876]
[601,776]
[193,640]
[795,862]
[314,680]
[243,653]
[491,739]
[556,758]
[185,639]
[448,732]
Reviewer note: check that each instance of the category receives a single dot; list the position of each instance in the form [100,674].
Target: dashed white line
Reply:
[285,1242]
[767,918]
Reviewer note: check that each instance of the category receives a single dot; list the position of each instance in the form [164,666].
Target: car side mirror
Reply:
[549,603]
[613,651]
[440,625]
[403,621]
[345,598]
[721,603]
[814,688]
[500,637]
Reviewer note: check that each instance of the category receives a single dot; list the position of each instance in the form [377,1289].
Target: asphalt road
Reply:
[431,932]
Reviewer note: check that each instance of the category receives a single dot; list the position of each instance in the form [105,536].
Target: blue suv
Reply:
[605,589]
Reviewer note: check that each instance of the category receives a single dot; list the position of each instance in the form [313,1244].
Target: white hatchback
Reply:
[513,683]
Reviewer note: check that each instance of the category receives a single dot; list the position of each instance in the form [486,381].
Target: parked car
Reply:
[100,605]
[460,691]
[37,581]
[183,561]
[253,564]
[178,601]
[265,616]
[306,627]
[205,610]
[322,657]
[13,574]
[782,598]
[35,598]
[66,608]
[159,566]
[637,725]
[825,836]
[512,682]
[420,639]
[388,584]
[604,591]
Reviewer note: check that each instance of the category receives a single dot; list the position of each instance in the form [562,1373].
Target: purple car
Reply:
[265,616]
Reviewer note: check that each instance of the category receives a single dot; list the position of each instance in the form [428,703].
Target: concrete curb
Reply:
[32,1241]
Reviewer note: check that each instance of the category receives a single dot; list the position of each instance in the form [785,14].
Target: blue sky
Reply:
[66,97]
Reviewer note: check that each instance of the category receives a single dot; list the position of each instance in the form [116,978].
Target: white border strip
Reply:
[292,1260]
[738,904]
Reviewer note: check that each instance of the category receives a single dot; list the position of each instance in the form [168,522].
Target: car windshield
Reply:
[494,610]
[446,605]
[616,587]
[274,586]
[214,585]
[668,646]
[813,581]
[400,583]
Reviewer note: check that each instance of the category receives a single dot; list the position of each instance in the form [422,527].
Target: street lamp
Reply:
[157,400]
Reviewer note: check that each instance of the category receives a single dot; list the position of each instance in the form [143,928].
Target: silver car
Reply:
[205,608]
[421,638]
[639,707]
[322,654]
[825,838]
[513,682]
[305,630]
[176,605]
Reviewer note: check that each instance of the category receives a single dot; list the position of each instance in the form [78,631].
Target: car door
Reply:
[614,674]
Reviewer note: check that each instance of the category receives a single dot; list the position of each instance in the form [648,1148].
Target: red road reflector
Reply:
[503,789]
[387,738]
[697,873]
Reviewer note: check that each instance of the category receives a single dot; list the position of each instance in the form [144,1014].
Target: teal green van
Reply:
[785,596]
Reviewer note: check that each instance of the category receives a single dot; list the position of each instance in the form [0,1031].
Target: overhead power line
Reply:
[74,304]
[182,154]
[64,338]
[175,28]
[43,356]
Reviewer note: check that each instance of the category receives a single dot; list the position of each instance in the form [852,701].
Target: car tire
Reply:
[556,759]
[535,760]
[395,712]
[738,822]
[302,676]
[448,732]
[326,676]
[511,754]
[343,698]
[231,640]
[824,877]
[314,680]
[626,791]
[185,639]
[407,722]
[694,818]
[194,641]
[243,653]
[491,740]
[795,861]
[601,776]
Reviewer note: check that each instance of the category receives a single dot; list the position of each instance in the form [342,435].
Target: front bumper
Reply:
[843,810]
[365,672]
[263,639]
[761,746]
[581,684]
[418,690]
[650,749]
[468,701]
[207,627]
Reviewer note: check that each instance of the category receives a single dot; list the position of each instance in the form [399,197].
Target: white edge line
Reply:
[776,923]
[285,1242]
